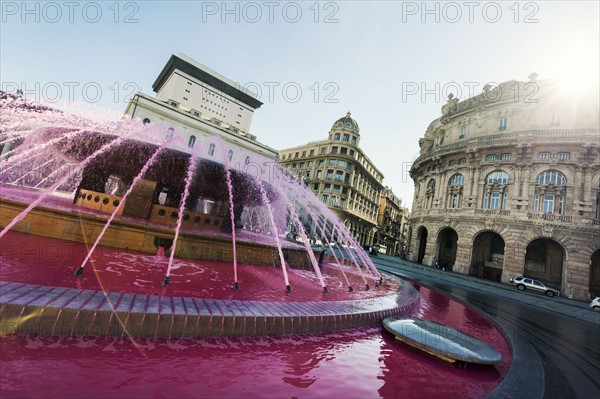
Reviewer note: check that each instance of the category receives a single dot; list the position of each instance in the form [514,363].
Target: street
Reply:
[556,341]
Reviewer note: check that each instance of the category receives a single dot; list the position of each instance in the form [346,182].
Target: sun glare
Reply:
[576,71]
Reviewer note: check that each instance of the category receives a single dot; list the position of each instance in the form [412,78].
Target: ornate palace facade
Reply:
[508,183]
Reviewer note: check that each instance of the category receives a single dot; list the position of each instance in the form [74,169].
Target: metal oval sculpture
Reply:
[441,341]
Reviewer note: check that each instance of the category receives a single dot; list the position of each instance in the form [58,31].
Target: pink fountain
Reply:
[126,190]
[139,265]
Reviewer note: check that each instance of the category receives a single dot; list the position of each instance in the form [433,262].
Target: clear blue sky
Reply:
[344,56]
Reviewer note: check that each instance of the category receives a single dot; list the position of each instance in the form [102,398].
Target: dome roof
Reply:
[346,122]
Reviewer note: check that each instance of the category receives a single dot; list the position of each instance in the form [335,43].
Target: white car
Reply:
[525,282]
[595,304]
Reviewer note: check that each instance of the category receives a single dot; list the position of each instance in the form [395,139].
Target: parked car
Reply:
[523,283]
[595,304]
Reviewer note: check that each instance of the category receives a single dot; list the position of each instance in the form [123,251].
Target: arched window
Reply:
[192,141]
[211,149]
[495,192]
[146,121]
[455,188]
[457,180]
[430,194]
[497,176]
[550,191]
[551,177]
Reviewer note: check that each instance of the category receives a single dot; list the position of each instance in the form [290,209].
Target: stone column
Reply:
[463,255]
[587,184]
[526,178]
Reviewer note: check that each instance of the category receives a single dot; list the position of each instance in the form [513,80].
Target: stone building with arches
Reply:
[507,183]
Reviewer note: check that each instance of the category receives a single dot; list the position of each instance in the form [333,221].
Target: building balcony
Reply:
[499,212]
[550,217]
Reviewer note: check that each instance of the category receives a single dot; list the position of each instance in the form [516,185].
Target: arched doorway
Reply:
[421,244]
[544,261]
[595,274]
[487,260]
[446,248]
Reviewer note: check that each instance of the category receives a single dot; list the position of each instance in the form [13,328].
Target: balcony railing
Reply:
[551,217]
[499,212]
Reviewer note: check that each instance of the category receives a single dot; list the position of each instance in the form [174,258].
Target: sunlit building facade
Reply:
[508,183]
[342,176]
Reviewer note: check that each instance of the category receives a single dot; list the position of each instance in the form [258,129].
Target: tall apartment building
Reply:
[391,221]
[342,176]
[508,183]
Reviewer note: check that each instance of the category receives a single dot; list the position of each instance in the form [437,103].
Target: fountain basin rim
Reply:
[29,308]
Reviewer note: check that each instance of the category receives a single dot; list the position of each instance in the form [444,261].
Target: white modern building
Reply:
[197,103]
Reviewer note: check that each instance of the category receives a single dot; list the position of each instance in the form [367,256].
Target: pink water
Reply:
[356,363]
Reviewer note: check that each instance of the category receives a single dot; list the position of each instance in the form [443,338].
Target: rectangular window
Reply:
[548,206]
[351,153]
[561,203]
[563,156]
[319,172]
[491,157]
[334,150]
[296,155]
[303,154]
[504,200]
[327,187]
[341,164]
[325,197]
[343,150]
[339,175]
[321,162]
[536,203]
[337,188]
[544,155]
[502,124]
[309,164]
[316,186]
[329,174]
[323,150]
[336,136]
[454,200]
[353,140]
[495,200]
[485,200]
[346,137]
[312,152]
[463,132]
[506,157]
